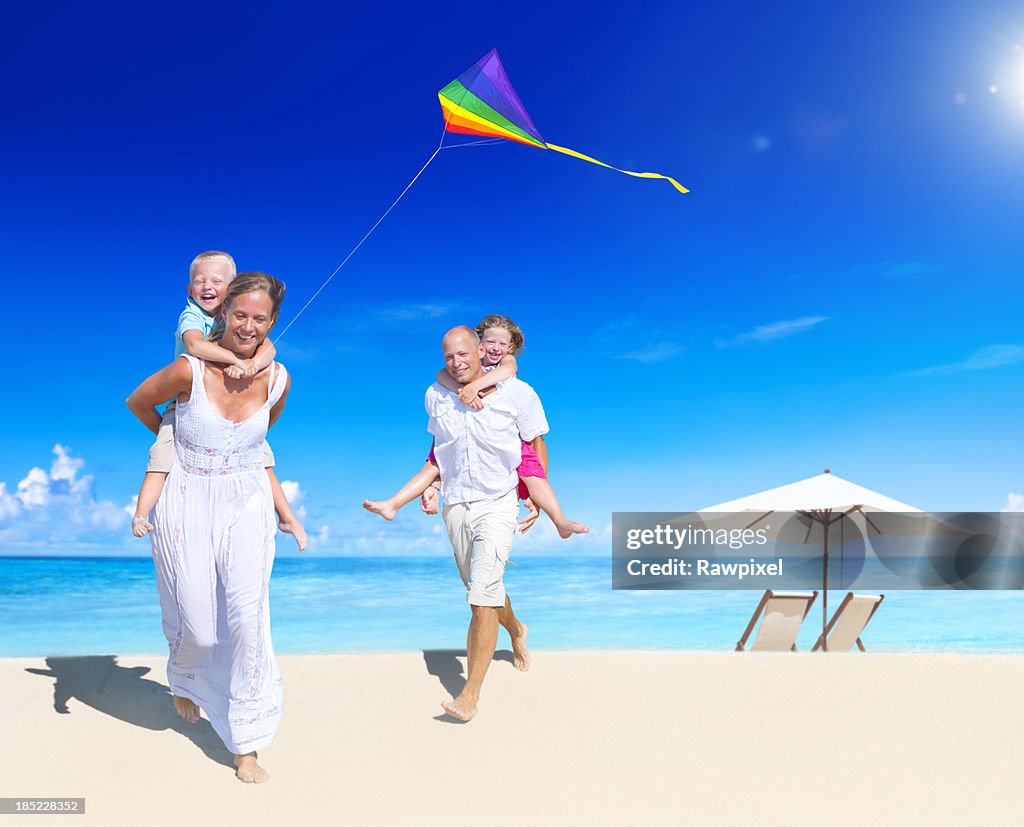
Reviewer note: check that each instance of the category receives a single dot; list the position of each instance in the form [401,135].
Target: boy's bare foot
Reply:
[462,708]
[384,508]
[141,526]
[297,531]
[567,528]
[187,709]
[520,654]
[248,771]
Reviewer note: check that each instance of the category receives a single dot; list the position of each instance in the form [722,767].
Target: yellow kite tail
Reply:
[583,157]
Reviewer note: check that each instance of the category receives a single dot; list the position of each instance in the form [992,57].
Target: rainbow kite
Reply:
[481,101]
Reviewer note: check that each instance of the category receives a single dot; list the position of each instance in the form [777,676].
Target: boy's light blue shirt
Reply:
[193,317]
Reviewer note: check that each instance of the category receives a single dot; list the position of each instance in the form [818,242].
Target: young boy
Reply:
[209,276]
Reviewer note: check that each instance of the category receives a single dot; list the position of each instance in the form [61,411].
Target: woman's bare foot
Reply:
[141,526]
[297,531]
[385,508]
[520,654]
[462,708]
[248,771]
[186,708]
[566,528]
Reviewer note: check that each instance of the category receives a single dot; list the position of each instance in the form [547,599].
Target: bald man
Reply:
[477,453]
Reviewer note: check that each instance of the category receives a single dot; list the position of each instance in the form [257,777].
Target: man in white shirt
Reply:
[477,452]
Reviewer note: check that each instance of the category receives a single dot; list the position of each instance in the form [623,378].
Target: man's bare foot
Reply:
[141,526]
[297,531]
[187,709]
[462,708]
[567,528]
[520,654]
[384,508]
[248,771]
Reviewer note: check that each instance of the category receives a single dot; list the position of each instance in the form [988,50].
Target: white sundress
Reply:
[213,548]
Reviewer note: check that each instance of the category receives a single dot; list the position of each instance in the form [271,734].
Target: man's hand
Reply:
[429,500]
[527,522]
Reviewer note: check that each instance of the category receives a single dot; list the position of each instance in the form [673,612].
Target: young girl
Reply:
[501,339]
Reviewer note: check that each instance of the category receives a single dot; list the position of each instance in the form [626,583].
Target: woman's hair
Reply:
[249,283]
[515,335]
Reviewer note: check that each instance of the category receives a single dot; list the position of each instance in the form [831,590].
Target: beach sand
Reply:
[583,738]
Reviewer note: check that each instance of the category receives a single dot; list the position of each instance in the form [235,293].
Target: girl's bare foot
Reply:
[186,708]
[385,508]
[566,528]
[141,526]
[297,531]
[248,771]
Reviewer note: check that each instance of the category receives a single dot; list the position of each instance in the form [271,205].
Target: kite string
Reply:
[369,232]
[487,142]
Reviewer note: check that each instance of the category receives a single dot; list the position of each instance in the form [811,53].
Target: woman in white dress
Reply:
[213,538]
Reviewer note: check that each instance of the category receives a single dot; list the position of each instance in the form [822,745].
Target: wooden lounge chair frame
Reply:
[823,638]
[809,597]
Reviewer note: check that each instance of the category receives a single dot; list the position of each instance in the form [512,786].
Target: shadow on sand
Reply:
[123,693]
[444,664]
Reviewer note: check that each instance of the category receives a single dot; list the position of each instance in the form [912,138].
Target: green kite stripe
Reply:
[461,96]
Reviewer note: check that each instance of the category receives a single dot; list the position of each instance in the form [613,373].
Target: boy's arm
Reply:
[506,369]
[264,355]
[197,346]
[248,368]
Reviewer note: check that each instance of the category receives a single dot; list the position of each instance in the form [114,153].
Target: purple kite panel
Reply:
[488,81]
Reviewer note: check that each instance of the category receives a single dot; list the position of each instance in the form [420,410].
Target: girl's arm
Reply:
[506,369]
[445,378]
[162,386]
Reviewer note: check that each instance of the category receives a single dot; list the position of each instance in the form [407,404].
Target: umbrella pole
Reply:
[824,585]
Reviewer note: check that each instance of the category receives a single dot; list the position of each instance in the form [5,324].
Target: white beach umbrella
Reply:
[824,499]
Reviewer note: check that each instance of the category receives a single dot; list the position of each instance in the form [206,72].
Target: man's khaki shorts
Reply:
[481,533]
[161,454]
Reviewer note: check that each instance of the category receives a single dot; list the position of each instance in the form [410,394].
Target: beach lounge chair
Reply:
[847,624]
[781,614]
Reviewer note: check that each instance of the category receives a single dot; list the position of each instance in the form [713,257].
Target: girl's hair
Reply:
[249,283]
[211,254]
[515,335]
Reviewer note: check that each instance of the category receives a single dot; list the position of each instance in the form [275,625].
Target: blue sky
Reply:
[840,289]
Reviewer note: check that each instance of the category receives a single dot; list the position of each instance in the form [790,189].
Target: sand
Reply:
[583,738]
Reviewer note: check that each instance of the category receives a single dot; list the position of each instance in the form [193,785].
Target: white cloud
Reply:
[413,312]
[324,534]
[58,506]
[34,490]
[987,358]
[773,331]
[10,506]
[907,269]
[1014,502]
[654,352]
[296,497]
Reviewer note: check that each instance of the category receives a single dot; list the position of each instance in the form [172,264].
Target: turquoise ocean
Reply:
[106,605]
